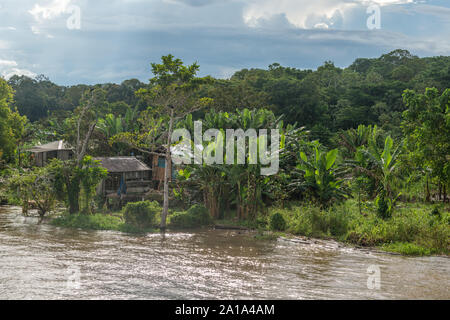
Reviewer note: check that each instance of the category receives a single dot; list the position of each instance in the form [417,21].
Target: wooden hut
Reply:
[128,177]
[56,149]
[158,170]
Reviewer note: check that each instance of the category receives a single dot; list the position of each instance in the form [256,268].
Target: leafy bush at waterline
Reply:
[277,222]
[196,216]
[90,222]
[311,221]
[142,214]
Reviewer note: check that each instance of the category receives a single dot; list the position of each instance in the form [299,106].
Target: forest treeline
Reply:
[325,100]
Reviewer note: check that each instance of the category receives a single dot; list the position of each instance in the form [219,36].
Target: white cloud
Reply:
[385,2]
[46,12]
[306,13]
[8,68]
[321,25]
[49,11]
[19,72]
[7,63]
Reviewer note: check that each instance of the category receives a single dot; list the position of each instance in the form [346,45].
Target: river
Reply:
[40,261]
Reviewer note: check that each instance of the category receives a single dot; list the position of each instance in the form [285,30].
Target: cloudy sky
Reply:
[97,41]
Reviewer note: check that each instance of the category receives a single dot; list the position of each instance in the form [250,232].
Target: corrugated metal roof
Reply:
[52,146]
[123,164]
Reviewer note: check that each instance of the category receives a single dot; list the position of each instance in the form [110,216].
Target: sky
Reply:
[100,41]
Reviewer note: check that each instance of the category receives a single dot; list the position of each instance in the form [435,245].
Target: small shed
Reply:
[56,149]
[159,168]
[127,176]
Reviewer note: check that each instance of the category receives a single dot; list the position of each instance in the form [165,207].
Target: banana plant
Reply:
[110,125]
[322,177]
[353,139]
[241,185]
[381,165]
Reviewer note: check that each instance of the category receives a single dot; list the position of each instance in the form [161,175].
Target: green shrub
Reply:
[367,231]
[261,222]
[435,212]
[312,221]
[195,216]
[142,214]
[90,222]
[299,223]
[409,249]
[277,222]
[383,209]
[337,222]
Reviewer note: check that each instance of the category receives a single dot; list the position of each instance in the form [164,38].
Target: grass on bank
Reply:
[414,229]
[98,221]
[136,217]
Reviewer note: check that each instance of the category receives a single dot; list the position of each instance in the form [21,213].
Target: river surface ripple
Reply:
[40,261]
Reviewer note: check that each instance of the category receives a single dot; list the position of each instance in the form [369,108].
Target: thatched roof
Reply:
[123,164]
[52,146]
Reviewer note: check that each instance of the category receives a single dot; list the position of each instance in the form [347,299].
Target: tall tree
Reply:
[83,125]
[11,124]
[427,129]
[171,95]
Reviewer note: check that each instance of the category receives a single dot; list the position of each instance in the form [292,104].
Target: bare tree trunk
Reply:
[167,174]
[83,148]
[359,199]
[440,191]
[445,193]
[238,202]
[20,158]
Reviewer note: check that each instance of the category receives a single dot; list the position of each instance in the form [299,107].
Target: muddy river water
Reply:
[40,261]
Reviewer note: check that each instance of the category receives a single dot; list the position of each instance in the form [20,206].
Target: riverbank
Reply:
[37,260]
[99,221]
[413,230]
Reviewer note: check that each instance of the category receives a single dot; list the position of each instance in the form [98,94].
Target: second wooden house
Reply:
[128,178]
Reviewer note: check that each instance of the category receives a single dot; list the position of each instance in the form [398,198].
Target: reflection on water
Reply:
[37,261]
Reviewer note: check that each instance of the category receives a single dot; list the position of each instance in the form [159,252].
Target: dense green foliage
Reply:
[427,132]
[11,125]
[195,217]
[321,176]
[277,222]
[33,189]
[142,215]
[377,131]
[71,179]
[38,98]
